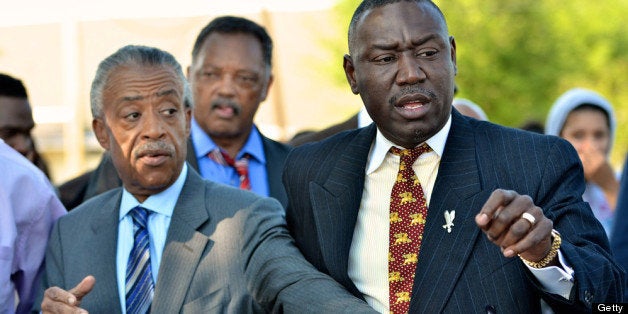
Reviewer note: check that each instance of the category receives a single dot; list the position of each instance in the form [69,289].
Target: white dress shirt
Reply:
[370,275]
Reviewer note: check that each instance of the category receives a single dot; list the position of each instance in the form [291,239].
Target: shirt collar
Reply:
[203,144]
[382,145]
[162,202]
[363,118]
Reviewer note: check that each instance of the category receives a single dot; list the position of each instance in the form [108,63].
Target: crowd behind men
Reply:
[332,237]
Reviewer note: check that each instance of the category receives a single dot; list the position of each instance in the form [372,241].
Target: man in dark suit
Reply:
[168,241]
[506,228]
[230,76]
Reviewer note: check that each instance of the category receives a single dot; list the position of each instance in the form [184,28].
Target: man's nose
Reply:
[409,70]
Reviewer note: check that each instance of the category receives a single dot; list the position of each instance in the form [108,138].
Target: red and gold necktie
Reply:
[408,212]
[241,166]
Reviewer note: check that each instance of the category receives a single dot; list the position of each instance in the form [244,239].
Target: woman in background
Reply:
[587,121]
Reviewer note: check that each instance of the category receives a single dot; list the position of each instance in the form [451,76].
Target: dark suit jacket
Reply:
[315,136]
[619,237]
[105,177]
[216,233]
[459,271]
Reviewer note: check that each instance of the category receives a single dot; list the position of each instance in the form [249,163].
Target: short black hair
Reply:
[233,25]
[12,87]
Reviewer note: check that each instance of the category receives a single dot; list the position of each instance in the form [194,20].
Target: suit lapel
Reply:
[336,204]
[105,228]
[190,157]
[275,160]
[458,188]
[184,246]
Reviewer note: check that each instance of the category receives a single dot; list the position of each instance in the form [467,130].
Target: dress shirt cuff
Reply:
[555,280]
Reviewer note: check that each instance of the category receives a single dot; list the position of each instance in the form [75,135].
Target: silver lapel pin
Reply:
[449,220]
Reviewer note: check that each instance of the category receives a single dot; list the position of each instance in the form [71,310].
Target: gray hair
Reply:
[134,55]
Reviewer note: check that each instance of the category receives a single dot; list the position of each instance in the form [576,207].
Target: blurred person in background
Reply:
[16,120]
[230,76]
[28,209]
[587,120]
[533,126]
[469,109]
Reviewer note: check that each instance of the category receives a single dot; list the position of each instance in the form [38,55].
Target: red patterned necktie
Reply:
[408,212]
[241,165]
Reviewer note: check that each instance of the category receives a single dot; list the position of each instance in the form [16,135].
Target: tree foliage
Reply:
[515,57]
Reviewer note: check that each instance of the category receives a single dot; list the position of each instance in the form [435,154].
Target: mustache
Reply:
[153,149]
[227,103]
[413,89]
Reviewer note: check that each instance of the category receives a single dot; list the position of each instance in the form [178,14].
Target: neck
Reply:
[231,146]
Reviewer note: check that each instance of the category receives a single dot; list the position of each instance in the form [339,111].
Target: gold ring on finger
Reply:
[529,218]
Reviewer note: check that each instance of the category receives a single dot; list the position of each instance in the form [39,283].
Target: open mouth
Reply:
[154,158]
[412,106]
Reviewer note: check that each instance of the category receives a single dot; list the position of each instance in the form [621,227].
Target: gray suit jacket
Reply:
[459,271]
[216,234]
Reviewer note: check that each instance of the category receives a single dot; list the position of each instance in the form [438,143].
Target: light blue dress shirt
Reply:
[161,206]
[211,170]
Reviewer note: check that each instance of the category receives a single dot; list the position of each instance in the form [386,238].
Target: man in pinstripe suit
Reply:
[506,230]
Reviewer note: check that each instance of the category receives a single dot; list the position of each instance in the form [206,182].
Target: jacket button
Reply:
[490,309]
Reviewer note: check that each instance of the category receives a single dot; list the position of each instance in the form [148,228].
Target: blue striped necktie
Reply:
[139,277]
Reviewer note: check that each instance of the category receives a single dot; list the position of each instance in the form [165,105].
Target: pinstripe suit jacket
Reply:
[459,271]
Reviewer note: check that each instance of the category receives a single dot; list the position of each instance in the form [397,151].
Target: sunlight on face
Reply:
[145,127]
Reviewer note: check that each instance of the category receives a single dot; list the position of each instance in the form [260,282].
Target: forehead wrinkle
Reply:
[159,93]
[166,92]
[398,44]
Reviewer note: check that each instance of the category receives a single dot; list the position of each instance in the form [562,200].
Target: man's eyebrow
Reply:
[132,98]
[422,40]
[394,45]
[385,46]
[162,93]
[166,92]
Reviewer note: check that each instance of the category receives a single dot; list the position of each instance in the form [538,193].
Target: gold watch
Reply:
[556,241]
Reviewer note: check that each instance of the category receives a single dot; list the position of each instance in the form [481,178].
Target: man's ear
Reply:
[452,43]
[100,130]
[347,64]
[267,87]
[188,121]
